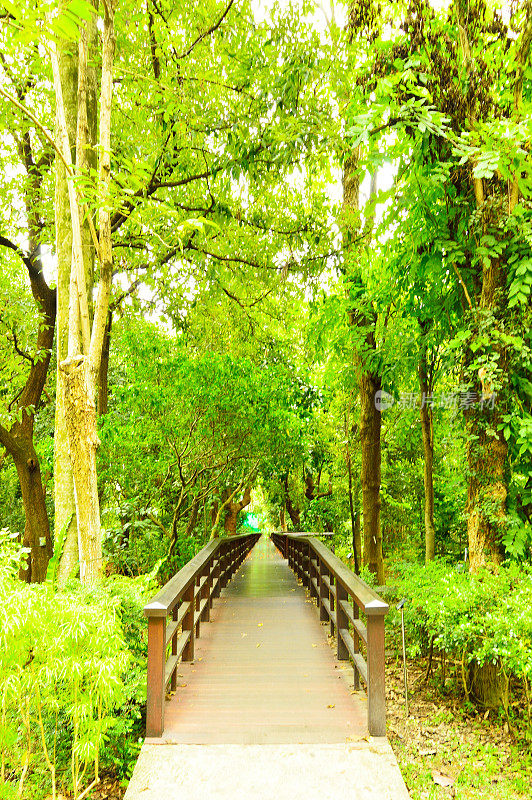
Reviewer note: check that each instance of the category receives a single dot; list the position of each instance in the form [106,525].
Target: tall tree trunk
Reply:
[37,528]
[370,474]
[369,382]
[85,341]
[18,440]
[231,518]
[293,512]
[353,512]
[19,444]
[232,511]
[427,431]
[103,383]
[487,451]
[487,491]
[64,500]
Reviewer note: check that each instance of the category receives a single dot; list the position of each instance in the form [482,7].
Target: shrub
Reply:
[68,661]
[477,620]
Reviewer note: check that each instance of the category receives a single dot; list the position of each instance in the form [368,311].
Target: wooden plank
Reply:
[361,629]
[200,610]
[342,622]
[188,624]
[330,587]
[362,668]
[200,585]
[172,662]
[376,678]
[171,628]
[182,611]
[357,624]
[327,606]
[356,658]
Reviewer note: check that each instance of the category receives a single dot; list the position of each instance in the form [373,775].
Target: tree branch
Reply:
[207,32]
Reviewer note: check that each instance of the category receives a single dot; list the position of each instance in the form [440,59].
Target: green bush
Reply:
[482,619]
[68,661]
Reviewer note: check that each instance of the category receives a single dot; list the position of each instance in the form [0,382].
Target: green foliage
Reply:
[482,618]
[68,662]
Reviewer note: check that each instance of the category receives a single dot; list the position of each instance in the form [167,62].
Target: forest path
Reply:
[265,710]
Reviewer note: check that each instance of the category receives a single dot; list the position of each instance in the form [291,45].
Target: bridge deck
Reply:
[265,700]
[267,673]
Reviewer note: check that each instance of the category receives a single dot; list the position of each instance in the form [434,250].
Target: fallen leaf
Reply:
[314,645]
[331,705]
[260,624]
[441,779]
[244,634]
[258,644]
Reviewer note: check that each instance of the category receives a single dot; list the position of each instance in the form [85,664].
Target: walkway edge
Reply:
[360,770]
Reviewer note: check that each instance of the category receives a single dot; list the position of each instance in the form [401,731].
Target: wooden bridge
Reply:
[260,705]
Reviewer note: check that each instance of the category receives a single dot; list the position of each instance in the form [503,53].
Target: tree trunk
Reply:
[18,440]
[489,685]
[103,387]
[369,383]
[370,475]
[232,510]
[353,512]
[427,431]
[193,518]
[355,521]
[487,453]
[65,504]
[231,518]
[83,443]
[85,341]
[293,512]
[486,496]
[37,528]
[282,517]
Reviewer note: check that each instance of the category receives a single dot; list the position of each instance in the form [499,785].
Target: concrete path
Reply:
[265,710]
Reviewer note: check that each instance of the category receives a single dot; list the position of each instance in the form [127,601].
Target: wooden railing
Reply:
[175,615]
[332,584]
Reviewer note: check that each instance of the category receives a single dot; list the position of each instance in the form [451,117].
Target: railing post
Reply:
[375,661]
[313,573]
[324,592]
[188,622]
[308,571]
[356,646]
[223,565]
[332,582]
[197,604]
[173,683]
[342,623]
[215,575]
[206,593]
[156,665]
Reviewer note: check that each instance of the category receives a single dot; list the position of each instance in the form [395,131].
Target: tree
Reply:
[446,88]
[28,325]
